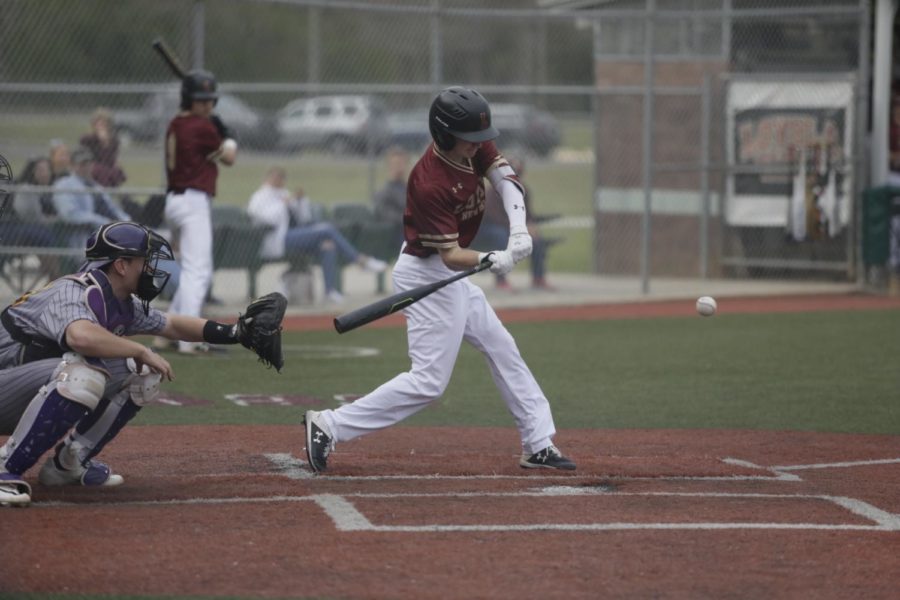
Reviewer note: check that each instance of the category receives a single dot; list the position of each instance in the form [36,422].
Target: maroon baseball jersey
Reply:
[192,146]
[445,200]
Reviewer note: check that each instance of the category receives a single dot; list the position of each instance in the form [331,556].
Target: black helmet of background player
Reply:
[126,239]
[198,85]
[458,112]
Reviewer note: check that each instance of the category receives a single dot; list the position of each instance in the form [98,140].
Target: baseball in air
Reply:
[706,306]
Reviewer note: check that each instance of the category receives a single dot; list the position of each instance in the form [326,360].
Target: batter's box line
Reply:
[782,472]
[294,468]
[347,518]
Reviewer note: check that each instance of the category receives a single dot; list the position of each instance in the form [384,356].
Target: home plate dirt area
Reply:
[447,513]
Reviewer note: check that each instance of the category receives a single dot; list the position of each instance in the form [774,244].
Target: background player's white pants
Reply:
[436,327]
[188,215]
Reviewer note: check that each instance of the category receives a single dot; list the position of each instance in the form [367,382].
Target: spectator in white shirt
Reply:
[296,232]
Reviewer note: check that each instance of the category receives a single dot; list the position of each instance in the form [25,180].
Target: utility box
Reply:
[879,206]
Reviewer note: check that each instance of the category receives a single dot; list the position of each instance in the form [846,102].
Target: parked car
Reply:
[338,124]
[523,129]
[148,123]
[409,130]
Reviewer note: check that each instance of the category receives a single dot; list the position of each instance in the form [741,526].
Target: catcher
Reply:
[70,377]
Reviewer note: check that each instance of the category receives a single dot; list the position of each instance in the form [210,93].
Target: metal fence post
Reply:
[647,137]
[704,176]
[198,27]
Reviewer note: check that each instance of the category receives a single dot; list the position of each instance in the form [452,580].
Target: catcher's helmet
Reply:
[198,85]
[461,113]
[126,239]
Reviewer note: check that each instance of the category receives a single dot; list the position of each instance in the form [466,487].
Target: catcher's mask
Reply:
[123,239]
[461,113]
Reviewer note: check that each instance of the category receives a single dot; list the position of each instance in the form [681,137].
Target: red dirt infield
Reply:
[642,309]
[447,513]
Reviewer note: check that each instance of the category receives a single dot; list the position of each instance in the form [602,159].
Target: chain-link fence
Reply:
[701,138]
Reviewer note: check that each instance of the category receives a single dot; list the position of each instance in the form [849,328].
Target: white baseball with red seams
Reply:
[706,306]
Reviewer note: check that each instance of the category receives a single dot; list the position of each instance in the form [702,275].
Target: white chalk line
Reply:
[294,468]
[838,465]
[346,517]
[290,467]
[780,471]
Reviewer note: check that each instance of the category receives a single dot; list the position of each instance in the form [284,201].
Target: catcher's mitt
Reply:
[259,329]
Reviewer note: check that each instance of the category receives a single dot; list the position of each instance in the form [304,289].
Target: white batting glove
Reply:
[501,261]
[519,243]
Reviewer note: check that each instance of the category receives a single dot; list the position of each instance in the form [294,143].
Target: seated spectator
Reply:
[35,205]
[104,144]
[390,200]
[272,204]
[60,159]
[494,233]
[79,201]
[26,224]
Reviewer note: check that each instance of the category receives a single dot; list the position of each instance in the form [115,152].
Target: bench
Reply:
[237,240]
[374,238]
[236,243]
[17,261]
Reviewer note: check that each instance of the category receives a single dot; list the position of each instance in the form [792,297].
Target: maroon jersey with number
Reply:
[192,146]
[445,200]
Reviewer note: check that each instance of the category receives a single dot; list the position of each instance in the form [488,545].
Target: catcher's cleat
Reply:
[92,473]
[319,443]
[14,491]
[548,458]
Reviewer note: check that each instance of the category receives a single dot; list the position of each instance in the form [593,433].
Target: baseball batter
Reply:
[444,207]
[195,141]
[67,363]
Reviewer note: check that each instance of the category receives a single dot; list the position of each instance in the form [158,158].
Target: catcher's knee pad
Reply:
[79,381]
[143,387]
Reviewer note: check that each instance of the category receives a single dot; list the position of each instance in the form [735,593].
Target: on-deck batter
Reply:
[195,140]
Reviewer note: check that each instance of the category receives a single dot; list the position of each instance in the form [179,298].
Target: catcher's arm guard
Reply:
[259,328]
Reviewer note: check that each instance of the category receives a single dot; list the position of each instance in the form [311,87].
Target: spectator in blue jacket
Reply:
[80,201]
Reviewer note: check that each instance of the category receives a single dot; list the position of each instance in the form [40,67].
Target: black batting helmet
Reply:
[458,112]
[123,239]
[198,85]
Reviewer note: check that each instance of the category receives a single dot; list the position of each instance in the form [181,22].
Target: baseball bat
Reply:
[171,59]
[391,304]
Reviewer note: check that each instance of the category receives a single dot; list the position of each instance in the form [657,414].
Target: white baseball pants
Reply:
[436,327]
[188,215]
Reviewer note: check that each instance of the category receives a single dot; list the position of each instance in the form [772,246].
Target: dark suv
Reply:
[524,129]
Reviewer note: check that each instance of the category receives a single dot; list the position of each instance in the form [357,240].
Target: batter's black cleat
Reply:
[319,443]
[548,458]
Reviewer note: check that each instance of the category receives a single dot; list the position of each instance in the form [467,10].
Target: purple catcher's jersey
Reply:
[45,314]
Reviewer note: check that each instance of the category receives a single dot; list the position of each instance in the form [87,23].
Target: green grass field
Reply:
[821,371]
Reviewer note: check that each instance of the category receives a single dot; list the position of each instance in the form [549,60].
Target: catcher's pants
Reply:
[188,215]
[26,413]
[436,327]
